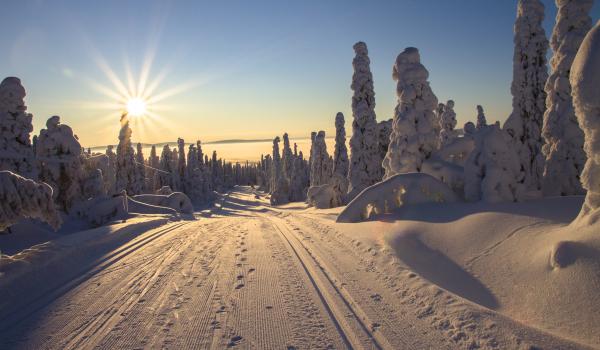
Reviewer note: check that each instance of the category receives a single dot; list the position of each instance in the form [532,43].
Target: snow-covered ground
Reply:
[430,276]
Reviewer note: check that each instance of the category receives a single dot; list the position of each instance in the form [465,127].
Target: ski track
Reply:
[259,278]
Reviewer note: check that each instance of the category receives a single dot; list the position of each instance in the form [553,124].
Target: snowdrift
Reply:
[176,200]
[395,192]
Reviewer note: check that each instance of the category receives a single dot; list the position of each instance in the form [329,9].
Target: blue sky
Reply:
[251,69]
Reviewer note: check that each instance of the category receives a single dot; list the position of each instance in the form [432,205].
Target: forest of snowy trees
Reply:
[547,146]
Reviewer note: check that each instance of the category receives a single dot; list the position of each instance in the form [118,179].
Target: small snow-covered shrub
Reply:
[394,192]
[22,198]
[321,197]
[585,75]
[101,210]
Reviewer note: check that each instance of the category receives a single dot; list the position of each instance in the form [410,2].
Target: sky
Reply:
[248,69]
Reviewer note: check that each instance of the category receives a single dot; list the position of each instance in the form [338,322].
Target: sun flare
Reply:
[136,107]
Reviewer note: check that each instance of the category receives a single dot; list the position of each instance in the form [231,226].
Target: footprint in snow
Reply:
[235,340]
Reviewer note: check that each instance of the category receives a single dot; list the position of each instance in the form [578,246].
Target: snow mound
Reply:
[395,192]
[25,198]
[176,200]
[321,197]
[104,209]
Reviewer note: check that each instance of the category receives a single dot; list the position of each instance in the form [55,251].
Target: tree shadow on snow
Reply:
[437,268]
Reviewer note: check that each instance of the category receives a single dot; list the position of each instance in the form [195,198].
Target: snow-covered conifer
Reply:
[384,130]
[584,78]
[413,137]
[320,170]
[447,124]
[563,149]
[110,176]
[492,170]
[529,77]
[59,157]
[125,172]
[365,162]
[24,198]
[16,152]
[181,163]
[140,170]
[340,162]
[481,120]
[279,189]
[164,177]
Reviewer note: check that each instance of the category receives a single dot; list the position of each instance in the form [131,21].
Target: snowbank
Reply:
[395,192]
[176,200]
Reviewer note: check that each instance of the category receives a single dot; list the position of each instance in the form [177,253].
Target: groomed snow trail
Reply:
[251,276]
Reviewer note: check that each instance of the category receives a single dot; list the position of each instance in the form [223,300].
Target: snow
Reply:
[413,137]
[396,192]
[339,180]
[447,124]
[365,162]
[529,77]
[24,198]
[101,210]
[563,146]
[176,200]
[125,163]
[320,166]
[585,74]
[481,119]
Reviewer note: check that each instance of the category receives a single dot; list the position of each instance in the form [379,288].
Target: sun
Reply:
[136,107]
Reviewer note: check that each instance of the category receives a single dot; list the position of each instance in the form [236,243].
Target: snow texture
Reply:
[492,170]
[394,192]
[529,77]
[585,75]
[16,151]
[365,161]
[563,137]
[413,137]
[24,198]
[59,155]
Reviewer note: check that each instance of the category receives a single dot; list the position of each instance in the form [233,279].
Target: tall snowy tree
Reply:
[563,149]
[164,176]
[194,177]
[481,120]
[125,169]
[59,156]
[279,190]
[320,169]
[365,162]
[447,124]
[524,124]
[110,178]
[154,163]
[584,78]
[181,163]
[140,170]
[16,151]
[340,162]
[413,137]
[384,130]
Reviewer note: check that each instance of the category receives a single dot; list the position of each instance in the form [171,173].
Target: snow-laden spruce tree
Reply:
[153,163]
[59,157]
[313,136]
[24,198]
[279,185]
[287,157]
[384,130]
[110,177]
[339,180]
[437,118]
[181,164]
[563,149]
[139,185]
[413,137]
[481,120]
[584,78]
[447,124]
[365,163]
[125,172]
[320,168]
[16,151]
[492,169]
[298,181]
[163,176]
[524,124]
[194,176]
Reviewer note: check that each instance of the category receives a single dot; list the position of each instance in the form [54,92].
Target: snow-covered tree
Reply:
[16,151]
[584,78]
[153,164]
[384,130]
[320,168]
[194,177]
[287,157]
[529,77]
[139,185]
[563,149]
[447,124]
[279,189]
[437,118]
[164,177]
[481,120]
[24,198]
[365,162]
[492,170]
[413,137]
[125,172]
[59,157]
[340,162]
[110,176]
[181,164]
